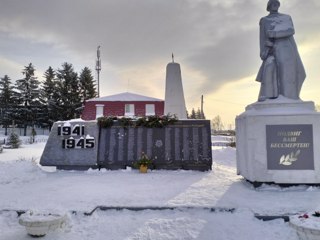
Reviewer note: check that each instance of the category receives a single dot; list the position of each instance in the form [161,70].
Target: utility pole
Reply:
[98,69]
[202,114]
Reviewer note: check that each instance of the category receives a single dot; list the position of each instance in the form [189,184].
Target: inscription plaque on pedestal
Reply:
[290,147]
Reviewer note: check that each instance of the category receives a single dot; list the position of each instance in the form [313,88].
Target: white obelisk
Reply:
[174,102]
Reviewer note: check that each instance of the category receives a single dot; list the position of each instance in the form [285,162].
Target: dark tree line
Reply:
[196,114]
[29,102]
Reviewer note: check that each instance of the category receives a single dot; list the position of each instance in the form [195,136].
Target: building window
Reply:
[129,110]
[99,110]
[150,110]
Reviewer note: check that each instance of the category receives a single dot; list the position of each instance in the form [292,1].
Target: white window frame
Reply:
[129,109]
[150,109]
[99,110]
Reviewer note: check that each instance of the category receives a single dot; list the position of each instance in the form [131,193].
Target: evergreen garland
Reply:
[106,122]
[147,121]
[125,122]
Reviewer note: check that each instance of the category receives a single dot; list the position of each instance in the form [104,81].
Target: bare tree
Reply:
[216,123]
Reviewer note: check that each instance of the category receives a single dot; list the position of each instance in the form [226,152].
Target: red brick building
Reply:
[123,104]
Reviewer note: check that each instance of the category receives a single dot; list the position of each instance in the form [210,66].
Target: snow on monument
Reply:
[174,98]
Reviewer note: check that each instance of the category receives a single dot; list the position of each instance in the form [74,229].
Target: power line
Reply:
[218,100]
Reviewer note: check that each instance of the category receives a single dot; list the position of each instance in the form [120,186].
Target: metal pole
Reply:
[202,115]
[98,69]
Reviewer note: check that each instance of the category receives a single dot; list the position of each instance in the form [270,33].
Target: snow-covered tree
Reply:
[48,86]
[7,101]
[70,100]
[87,86]
[13,140]
[28,93]
[28,86]
[6,91]
[50,97]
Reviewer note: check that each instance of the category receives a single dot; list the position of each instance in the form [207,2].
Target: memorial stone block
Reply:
[71,145]
[80,145]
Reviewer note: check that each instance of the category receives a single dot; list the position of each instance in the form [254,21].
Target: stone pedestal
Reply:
[277,142]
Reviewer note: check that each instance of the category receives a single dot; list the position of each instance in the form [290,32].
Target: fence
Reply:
[41,135]
[20,131]
[26,140]
[223,141]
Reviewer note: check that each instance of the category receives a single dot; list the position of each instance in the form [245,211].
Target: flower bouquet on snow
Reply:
[143,163]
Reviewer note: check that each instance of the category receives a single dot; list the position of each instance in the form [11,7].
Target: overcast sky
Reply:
[216,43]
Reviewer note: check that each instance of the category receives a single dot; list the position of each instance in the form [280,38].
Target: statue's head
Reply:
[273,5]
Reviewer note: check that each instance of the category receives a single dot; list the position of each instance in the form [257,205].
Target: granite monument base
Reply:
[276,142]
[80,145]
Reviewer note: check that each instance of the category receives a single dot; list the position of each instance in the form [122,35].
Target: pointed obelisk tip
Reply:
[172,58]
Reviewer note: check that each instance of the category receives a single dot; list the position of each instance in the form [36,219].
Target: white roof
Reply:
[125,97]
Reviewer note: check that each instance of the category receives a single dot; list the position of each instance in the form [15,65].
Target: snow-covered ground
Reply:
[24,185]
